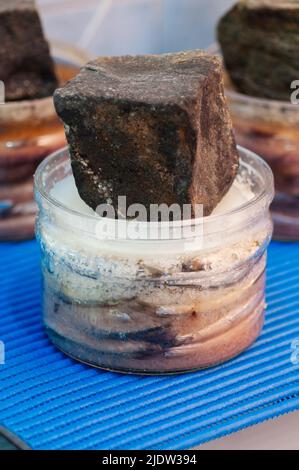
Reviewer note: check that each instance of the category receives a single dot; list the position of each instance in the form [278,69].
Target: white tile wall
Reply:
[134,26]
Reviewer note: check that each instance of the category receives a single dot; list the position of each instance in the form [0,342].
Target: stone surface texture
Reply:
[155,129]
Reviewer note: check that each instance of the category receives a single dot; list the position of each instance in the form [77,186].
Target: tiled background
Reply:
[133,26]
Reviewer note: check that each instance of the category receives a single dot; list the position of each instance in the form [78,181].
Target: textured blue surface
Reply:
[52,402]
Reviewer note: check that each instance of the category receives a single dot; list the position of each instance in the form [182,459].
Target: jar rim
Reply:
[254,100]
[265,196]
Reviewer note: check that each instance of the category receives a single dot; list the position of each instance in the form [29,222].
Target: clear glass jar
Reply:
[154,306]
[271,129]
[29,131]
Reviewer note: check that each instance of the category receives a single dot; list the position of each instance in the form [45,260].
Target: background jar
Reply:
[154,306]
[271,129]
[29,131]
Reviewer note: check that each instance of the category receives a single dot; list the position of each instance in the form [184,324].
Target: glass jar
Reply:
[271,129]
[166,305]
[29,131]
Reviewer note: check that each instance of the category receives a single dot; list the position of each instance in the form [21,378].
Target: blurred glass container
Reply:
[271,129]
[29,131]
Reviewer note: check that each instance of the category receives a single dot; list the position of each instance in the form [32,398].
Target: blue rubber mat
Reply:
[52,402]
